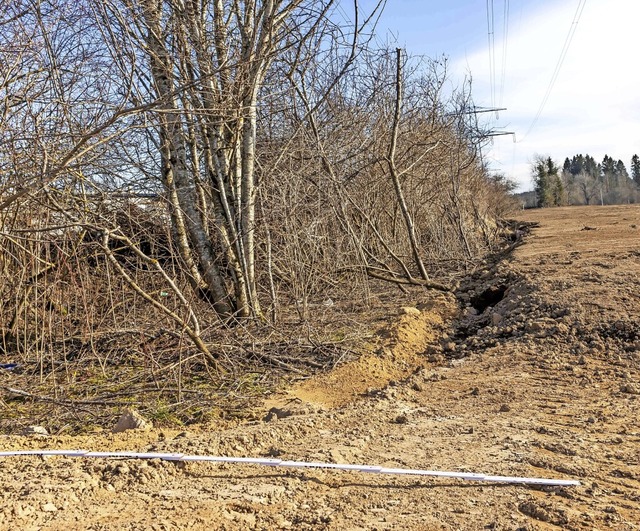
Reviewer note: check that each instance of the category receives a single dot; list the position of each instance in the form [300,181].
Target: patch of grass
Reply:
[164,417]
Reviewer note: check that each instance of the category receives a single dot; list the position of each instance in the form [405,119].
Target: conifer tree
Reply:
[548,186]
[635,169]
[620,171]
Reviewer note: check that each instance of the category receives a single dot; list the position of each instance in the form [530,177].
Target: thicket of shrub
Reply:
[125,198]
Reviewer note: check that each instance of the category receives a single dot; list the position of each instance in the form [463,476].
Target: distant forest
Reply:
[583,181]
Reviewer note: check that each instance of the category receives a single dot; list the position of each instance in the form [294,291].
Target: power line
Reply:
[556,72]
[505,39]
[492,51]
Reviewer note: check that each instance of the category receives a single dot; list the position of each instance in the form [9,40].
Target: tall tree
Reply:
[635,169]
[577,164]
[608,173]
[548,186]
[591,167]
[620,171]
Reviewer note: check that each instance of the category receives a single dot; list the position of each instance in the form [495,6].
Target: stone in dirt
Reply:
[276,413]
[36,431]
[450,346]
[534,511]
[131,420]
[470,312]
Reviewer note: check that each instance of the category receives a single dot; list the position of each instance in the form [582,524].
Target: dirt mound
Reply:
[401,353]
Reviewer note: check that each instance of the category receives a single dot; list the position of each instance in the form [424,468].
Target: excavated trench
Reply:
[500,304]
[497,304]
[488,297]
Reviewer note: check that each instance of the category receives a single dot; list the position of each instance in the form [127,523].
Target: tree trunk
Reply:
[393,170]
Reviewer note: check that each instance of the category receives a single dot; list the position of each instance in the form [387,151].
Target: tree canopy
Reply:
[548,186]
[586,181]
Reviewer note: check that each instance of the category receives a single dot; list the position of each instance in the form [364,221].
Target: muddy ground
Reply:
[534,370]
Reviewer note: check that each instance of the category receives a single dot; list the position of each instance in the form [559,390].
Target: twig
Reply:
[429,284]
[57,401]
[276,361]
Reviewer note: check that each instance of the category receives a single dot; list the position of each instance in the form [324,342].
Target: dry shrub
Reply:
[329,204]
[98,274]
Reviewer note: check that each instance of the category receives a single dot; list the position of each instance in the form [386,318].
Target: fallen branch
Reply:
[429,284]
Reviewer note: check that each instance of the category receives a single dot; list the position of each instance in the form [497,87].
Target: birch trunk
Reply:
[191,232]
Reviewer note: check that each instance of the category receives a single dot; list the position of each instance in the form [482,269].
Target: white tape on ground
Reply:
[469,476]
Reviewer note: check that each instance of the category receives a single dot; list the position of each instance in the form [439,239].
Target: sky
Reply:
[594,105]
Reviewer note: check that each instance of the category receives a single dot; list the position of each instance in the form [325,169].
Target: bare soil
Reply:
[534,370]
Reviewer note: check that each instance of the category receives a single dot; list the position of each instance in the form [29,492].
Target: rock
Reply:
[401,419]
[410,310]
[276,413]
[336,456]
[631,389]
[275,452]
[35,431]
[49,508]
[504,408]
[496,318]
[545,327]
[23,510]
[534,511]
[122,469]
[131,420]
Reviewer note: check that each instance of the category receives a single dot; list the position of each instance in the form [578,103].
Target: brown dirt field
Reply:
[539,375]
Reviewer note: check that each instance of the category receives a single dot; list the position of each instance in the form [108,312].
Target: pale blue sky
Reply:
[594,106]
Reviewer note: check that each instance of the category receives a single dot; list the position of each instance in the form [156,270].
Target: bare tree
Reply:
[66,98]
[206,64]
[395,174]
[342,146]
